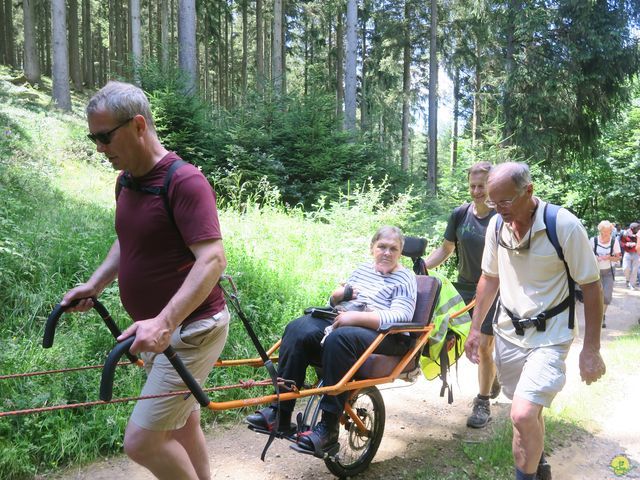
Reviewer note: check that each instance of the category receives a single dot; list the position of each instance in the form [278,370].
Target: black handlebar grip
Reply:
[109,369]
[52,323]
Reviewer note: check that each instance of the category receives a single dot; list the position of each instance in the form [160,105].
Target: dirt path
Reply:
[419,420]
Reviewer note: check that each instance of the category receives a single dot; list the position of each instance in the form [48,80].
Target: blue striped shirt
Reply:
[392,295]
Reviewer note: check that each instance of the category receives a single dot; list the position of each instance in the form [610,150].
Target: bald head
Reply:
[514,172]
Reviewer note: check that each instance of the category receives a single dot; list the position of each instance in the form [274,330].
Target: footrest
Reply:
[328,452]
[287,435]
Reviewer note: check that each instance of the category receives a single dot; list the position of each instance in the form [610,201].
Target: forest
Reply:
[316,97]
[316,122]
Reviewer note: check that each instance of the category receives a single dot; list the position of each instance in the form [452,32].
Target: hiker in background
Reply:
[168,259]
[607,251]
[631,259]
[534,324]
[464,235]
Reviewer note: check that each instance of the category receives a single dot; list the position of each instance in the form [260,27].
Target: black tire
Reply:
[357,449]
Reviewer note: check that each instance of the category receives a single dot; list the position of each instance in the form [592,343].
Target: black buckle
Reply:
[539,321]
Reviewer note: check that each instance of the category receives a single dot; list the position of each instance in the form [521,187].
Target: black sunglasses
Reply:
[105,137]
[503,244]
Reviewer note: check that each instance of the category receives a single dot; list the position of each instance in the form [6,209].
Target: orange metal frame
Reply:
[347,383]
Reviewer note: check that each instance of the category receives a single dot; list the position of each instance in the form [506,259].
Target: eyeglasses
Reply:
[503,244]
[501,203]
[105,137]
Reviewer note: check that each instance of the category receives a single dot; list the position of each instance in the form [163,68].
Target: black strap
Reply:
[540,320]
[459,215]
[263,355]
[126,180]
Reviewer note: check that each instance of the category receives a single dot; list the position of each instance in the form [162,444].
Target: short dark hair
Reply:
[479,167]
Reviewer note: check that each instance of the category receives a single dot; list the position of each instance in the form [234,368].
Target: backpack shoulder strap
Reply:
[126,181]
[459,215]
[613,242]
[165,187]
[550,221]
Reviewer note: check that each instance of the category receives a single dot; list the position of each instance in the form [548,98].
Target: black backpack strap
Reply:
[550,220]
[165,187]
[459,215]
[127,181]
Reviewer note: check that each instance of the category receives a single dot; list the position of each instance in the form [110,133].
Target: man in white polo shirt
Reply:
[520,261]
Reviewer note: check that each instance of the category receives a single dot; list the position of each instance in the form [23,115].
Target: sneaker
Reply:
[544,471]
[481,413]
[495,388]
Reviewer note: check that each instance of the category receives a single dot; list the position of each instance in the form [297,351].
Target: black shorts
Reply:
[487,323]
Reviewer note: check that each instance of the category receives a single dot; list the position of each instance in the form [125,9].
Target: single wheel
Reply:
[357,448]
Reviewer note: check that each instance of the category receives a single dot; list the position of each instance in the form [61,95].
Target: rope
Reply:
[62,370]
[186,393]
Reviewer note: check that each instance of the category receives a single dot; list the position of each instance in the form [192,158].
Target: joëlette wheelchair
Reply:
[363,420]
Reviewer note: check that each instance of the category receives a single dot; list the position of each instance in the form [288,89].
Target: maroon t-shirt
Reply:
[154,255]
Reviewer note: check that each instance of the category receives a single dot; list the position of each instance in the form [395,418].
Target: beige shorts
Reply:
[535,374]
[198,345]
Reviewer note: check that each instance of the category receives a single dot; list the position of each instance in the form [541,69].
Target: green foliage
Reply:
[289,141]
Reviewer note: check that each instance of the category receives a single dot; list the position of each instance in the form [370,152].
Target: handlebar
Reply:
[122,348]
[58,310]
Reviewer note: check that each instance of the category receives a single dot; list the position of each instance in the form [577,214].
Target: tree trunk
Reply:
[351,54]
[87,45]
[164,33]
[432,162]
[406,88]
[259,47]
[364,100]
[187,43]
[10,46]
[31,61]
[136,38]
[339,67]
[45,15]
[507,107]
[153,42]
[276,46]
[245,48]
[61,93]
[3,42]
[456,115]
[74,46]
[475,116]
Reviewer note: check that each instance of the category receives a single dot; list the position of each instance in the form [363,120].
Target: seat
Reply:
[378,365]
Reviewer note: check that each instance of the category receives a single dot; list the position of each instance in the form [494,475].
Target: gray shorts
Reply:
[534,374]
[607,279]
[198,345]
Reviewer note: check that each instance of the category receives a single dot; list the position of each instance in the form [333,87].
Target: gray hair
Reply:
[388,231]
[124,100]
[517,172]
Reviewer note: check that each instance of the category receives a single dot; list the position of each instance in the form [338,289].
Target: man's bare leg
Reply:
[528,434]
[160,452]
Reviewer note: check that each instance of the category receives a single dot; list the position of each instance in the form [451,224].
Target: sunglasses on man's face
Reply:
[105,137]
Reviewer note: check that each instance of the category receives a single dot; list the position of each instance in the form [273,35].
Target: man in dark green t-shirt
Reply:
[465,235]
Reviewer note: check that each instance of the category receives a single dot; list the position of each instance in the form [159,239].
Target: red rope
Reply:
[247,384]
[62,370]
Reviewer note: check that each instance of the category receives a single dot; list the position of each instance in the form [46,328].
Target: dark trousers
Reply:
[301,347]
